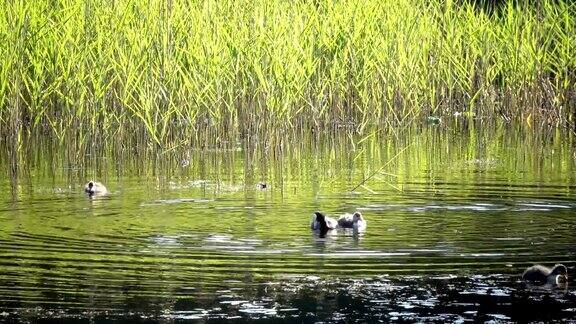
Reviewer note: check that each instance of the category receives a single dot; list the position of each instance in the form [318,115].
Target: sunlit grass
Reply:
[169,70]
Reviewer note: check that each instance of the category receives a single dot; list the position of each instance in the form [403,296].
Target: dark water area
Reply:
[454,217]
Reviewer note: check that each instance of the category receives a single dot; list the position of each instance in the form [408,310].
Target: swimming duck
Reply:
[262,186]
[322,222]
[93,188]
[355,221]
[544,275]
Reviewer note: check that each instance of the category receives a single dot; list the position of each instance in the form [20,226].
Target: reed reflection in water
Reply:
[184,234]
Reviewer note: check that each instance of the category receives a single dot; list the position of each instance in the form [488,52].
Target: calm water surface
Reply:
[454,217]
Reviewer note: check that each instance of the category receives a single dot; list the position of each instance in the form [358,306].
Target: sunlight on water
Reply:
[452,223]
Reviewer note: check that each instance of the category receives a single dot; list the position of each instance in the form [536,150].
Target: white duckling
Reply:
[93,188]
[322,222]
[355,221]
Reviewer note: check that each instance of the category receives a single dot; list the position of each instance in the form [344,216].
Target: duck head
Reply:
[561,279]
[560,272]
[559,269]
[356,217]
[89,189]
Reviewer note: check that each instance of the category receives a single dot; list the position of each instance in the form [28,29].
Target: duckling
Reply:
[359,222]
[355,221]
[93,188]
[544,275]
[262,186]
[322,222]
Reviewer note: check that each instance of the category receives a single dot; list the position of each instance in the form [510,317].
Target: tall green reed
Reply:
[96,71]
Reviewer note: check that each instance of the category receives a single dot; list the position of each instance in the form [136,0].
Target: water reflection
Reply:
[454,220]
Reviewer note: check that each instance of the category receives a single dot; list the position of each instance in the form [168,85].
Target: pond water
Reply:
[454,217]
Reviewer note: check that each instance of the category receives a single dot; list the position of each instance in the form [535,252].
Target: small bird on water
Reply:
[322,222]
[94,189]
[262,186]
[543,275]
[355,221]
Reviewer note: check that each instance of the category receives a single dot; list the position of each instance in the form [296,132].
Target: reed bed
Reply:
[176,71]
